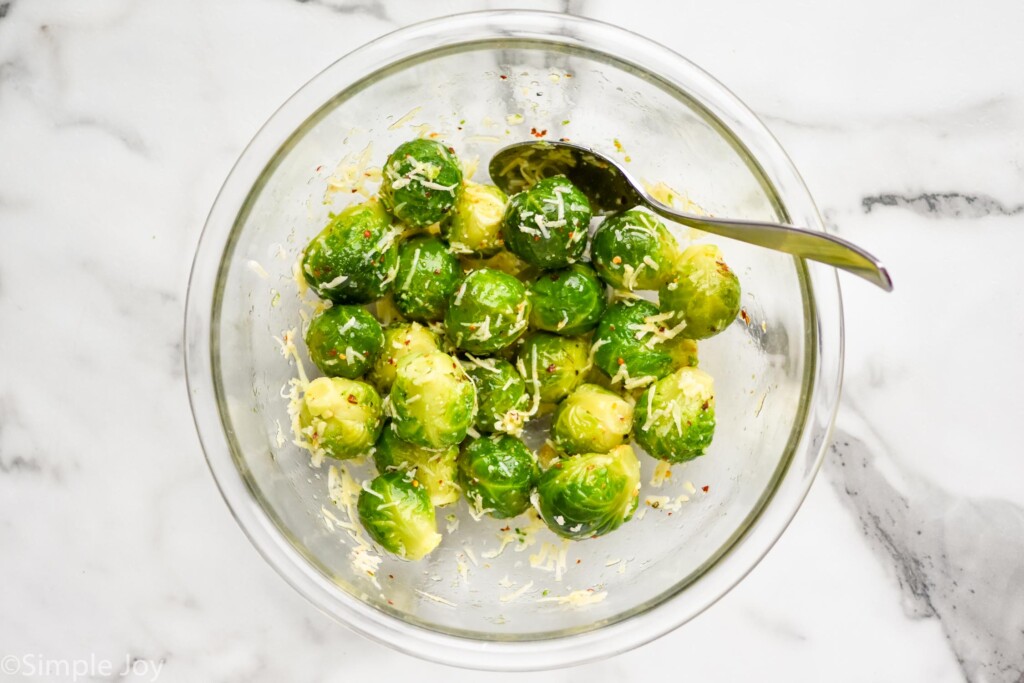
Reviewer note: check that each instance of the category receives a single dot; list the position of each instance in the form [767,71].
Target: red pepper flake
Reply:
[406,342]
[557,465]
[621,361]
[705,488]
[745,316]
[391,361]
[391,576]
[390,603]
[472,328]
[332,352]
[366,234]
[354,190]
[352,399]
[552,367]
[506,528]
[318,168]
[578,561]
[503,77]
[568,75]
[536,238]
[452,149]
[617,260]
[538,133]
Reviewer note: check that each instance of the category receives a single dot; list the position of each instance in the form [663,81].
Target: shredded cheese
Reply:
[580,598]
[517,594]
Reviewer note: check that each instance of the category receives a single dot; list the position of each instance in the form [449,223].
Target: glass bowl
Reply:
[481,81]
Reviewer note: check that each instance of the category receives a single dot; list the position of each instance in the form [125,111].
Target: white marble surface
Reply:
[119,120]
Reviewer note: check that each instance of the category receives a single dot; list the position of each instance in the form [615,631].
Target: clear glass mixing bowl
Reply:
[777,377]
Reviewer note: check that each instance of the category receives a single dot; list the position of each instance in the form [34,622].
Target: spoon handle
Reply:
[809,244]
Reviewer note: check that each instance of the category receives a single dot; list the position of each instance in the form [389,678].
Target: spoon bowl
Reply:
[611,188]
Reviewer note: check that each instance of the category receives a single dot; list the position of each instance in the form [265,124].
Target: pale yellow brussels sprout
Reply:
[683,352]
[591,420]
[340,418]
[473,226]
[401,340]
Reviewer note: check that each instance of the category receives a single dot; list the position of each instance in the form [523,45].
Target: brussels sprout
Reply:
[427,276]
[675,418]
[506,262]
[634,250]
[567,302]
[474,225]
[591,494]
[500,395]
[344,341]
[683,352]
[497,474]
[340,418]
[704,293]
[488,312]
[591,420]
[555,365]
[433,401]
[629,343]
[420,182]
[401,340]
[434,470]
[397,513]
[353,260]
[547,225]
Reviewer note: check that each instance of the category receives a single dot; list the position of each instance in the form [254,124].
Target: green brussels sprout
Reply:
[497,474]
[554,365]
[397,513]
[634,250]
[500,396]
[567,302]
[591,420]
[488,312]
[354,259]
[340,418]
[434,470]
[433,401]
[591,494]
[427,275]
[474,225]
[629,344]
[401,340]
[344,341]
[420,182]
[547,225]
[704,293]
[675,417]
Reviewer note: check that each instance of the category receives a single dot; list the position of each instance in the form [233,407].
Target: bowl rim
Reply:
[823,304]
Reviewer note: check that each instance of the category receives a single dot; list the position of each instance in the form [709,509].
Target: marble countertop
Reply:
[119,120]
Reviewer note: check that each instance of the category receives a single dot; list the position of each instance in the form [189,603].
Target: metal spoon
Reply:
[610,188]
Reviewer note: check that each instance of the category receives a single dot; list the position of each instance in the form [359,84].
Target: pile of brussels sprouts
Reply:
[503,319]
